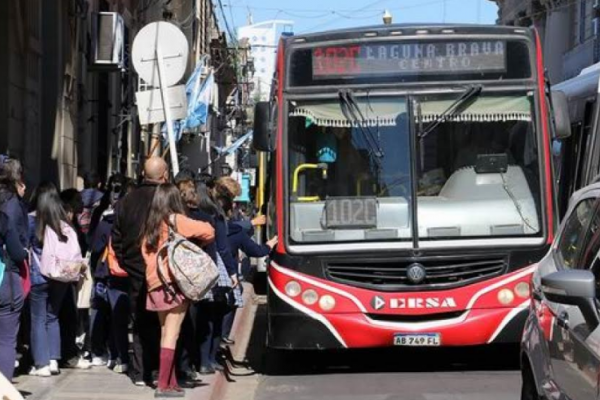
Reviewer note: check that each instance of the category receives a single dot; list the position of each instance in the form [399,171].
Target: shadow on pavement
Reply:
[383,360]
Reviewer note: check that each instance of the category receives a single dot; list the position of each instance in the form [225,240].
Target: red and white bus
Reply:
[410,183]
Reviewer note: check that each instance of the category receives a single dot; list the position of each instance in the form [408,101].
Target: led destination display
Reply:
[409,58]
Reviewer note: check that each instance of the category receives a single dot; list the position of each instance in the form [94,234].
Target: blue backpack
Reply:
[2,266]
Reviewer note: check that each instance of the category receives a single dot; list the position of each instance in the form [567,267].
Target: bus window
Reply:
[337,163]
[459,178]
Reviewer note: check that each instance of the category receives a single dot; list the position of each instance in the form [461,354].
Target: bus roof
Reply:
[580,89]
[408,29]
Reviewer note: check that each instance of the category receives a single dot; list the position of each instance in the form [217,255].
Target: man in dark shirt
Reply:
[131,214]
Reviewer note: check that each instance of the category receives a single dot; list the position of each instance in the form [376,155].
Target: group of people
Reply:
[112,236]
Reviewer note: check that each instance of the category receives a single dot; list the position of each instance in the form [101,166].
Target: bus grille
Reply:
[440,273]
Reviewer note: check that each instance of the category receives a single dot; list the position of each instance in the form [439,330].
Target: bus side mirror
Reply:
[264,134]
[562,121]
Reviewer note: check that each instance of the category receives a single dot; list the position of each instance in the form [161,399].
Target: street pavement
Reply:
[95,384]
[376,374]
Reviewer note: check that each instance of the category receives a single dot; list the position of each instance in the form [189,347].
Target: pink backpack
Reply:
[62,261]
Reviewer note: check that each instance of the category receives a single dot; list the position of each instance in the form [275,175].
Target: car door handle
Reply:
[563,320]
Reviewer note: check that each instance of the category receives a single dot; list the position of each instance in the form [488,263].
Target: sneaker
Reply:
[99,361]
[139,383]
[54,370]
[83,364]
[111,364]
[121,368]
[192,376]
[43,372]
[206,370]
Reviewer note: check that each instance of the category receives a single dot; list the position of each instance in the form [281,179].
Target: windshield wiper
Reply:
[469,94]
[354,115]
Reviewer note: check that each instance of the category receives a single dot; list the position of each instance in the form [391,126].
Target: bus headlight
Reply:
[522,289]
[505,296]
[327,302]
[292,288]
[310,297]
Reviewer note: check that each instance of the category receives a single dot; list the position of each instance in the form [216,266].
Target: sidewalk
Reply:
[96,384]
[100,383]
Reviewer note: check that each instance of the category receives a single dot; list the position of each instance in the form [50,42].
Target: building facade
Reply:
[569,31]
[60,112]
[263,40]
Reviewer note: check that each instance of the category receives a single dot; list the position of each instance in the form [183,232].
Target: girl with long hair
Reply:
[168,211]
[39,296]
[53,222]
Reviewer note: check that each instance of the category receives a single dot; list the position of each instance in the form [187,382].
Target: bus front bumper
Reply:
[359,323]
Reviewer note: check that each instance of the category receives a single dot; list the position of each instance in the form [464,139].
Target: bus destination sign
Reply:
[409,58]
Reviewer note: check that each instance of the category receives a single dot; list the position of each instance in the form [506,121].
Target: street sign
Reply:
[150,104]
[175,48]
[159,55]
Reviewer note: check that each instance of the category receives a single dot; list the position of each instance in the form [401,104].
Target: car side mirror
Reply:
[573,287]
[562,121]
[264,134]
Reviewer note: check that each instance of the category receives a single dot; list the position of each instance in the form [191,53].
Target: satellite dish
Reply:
[174,48]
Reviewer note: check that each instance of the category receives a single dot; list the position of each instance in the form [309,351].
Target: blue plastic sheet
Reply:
[199,94]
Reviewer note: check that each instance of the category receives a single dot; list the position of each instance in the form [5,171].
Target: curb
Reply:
[241,331]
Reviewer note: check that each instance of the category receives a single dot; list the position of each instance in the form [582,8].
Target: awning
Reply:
[233,147]
[484,109]
[384,112]
[376,112]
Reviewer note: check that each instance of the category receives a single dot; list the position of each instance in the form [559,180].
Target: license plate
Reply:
[420,340]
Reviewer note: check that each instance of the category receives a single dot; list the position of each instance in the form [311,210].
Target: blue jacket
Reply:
[14,229]
[16,211]
[9,239]
[100,239]
[240,239]
[221,244]
[36,247]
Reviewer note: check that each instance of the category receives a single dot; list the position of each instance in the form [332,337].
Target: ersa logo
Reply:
[414,302]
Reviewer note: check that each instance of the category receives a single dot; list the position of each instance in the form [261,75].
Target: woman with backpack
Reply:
[167,211]
[61,263]
[38,298]
[13,254]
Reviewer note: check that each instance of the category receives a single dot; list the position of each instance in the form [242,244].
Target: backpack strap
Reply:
[172,226]
[159,269]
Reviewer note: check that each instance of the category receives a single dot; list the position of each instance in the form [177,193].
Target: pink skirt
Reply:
[161,300]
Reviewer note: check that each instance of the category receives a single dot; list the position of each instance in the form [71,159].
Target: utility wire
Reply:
[227,27]
[363,17]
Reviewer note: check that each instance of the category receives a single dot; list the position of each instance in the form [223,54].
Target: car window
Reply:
[591,245]
[574,232]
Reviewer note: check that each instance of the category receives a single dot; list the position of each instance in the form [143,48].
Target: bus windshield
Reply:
[351,176]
